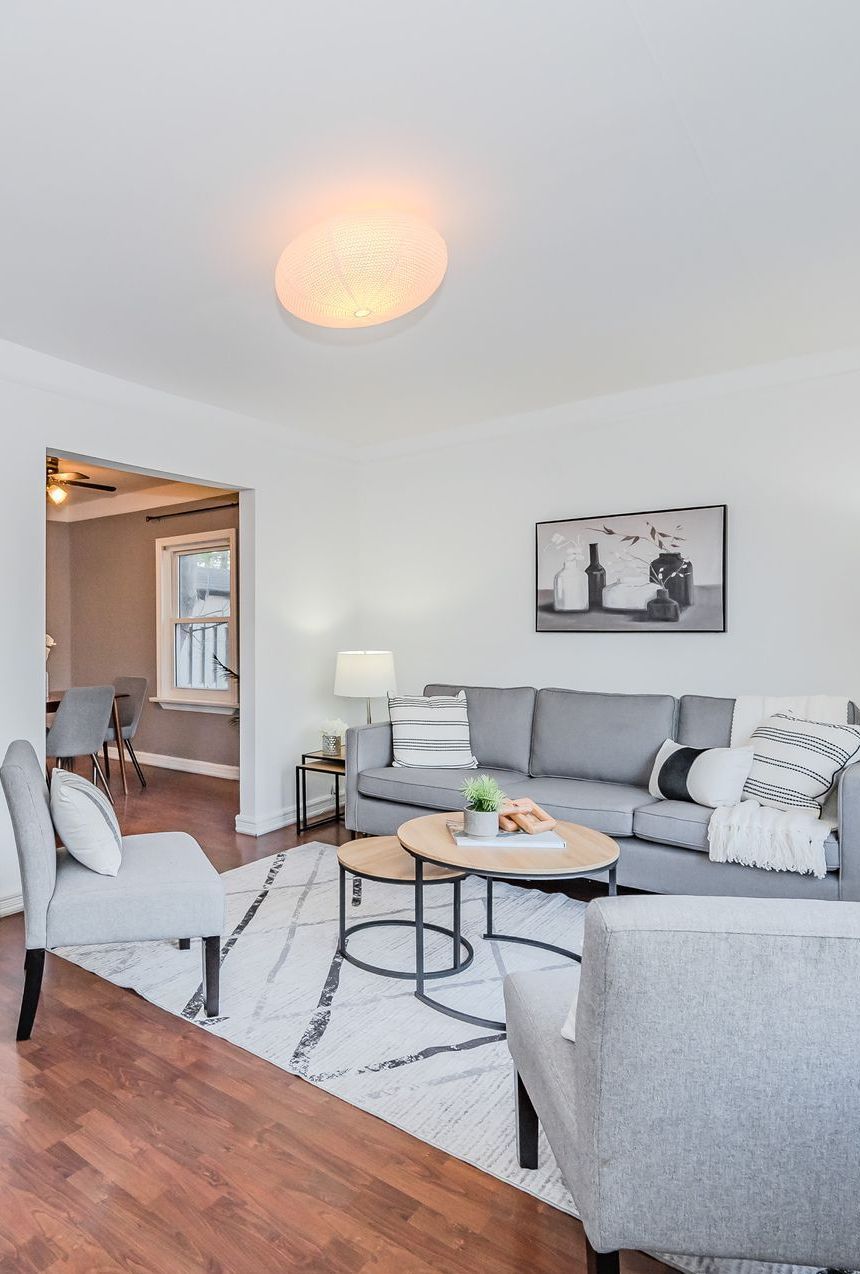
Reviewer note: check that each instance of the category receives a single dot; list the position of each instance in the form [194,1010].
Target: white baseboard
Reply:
[212,768]
[11,904]
[280,818]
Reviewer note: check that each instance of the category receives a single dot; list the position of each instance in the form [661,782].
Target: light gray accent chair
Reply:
[133,690]
[587,757]
[79,727]
[710,1105]
[166,888]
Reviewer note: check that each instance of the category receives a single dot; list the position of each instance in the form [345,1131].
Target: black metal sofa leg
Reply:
[34,965]
[527,1127]
[211,974]
[600,1262]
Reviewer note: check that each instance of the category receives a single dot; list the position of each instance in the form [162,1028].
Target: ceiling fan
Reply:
[57,479]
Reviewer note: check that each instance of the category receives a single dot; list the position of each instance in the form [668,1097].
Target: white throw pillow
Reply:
[796,762]
[85,822]
[431,731]
[706,776]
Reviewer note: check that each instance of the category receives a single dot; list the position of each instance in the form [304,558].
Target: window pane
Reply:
[204,583]
[197,647]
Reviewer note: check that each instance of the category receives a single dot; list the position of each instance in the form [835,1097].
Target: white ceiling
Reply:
[632,191]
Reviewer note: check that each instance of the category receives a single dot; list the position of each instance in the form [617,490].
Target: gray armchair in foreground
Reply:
[711,1103]
[165,888]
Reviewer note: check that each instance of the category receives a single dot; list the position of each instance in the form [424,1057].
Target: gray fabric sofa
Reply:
[587,757]
[710,1103]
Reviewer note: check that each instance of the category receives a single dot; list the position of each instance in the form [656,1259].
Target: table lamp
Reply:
[364,674]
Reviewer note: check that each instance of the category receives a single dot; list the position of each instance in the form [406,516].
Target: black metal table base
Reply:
[460,944]
[490,934]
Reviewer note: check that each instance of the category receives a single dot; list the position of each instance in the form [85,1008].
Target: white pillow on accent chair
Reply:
[85,822]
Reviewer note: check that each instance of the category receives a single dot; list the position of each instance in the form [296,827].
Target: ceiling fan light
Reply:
[361,269]
[57,495]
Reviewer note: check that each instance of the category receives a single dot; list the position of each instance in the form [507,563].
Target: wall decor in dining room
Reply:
[663,571]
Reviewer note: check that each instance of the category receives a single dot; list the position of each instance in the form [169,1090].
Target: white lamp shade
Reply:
[364,674]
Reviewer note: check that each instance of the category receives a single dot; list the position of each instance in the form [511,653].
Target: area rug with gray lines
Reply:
[287,997]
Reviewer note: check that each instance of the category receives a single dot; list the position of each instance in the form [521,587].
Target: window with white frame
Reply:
[197,620]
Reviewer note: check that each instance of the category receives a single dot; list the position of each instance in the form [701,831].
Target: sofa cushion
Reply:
[430,788]
[705,722]
[605,807]
[686,825]
[500,723]
[608,737]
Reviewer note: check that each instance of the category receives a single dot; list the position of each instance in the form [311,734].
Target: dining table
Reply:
[52,702]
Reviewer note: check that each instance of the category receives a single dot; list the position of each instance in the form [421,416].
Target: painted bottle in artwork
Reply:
[674,573]
[663,608]
[570,587]
[596,579]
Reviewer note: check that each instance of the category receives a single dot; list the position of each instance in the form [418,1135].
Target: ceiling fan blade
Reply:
[90,486]
[67,475]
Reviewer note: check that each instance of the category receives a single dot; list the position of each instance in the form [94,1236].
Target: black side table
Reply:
[317,763]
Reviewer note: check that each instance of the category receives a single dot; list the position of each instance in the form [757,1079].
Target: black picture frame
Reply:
[700,607]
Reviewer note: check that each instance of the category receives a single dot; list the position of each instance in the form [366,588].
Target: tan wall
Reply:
[113,588]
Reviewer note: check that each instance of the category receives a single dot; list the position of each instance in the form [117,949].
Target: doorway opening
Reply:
[143,593]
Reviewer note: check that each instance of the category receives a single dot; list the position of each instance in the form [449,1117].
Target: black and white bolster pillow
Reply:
[705,776]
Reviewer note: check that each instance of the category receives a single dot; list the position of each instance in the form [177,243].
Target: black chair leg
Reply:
[130,750]
[184,944]
[98,771]
[601,1262]
[34,964]
[211,974]
[527,1127]
[107,759]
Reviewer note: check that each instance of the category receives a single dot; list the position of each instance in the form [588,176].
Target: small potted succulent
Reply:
[484,799]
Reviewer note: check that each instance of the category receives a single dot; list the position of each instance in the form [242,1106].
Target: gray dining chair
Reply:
[133,691]
[166,888]
[79,727]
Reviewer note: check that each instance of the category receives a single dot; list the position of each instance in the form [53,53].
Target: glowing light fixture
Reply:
[361,269]
[57,495]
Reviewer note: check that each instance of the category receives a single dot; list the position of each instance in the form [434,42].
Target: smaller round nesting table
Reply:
[383,859]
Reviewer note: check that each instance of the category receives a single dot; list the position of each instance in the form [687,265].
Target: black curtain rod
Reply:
[184,513]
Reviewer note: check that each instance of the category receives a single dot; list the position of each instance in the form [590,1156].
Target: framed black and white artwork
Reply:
[658,572]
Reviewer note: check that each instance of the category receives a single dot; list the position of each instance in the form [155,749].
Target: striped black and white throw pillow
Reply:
[796,762]
[85,822]
[705,776]
[431,730]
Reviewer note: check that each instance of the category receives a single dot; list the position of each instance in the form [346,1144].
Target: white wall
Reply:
[296,555]
[448,536]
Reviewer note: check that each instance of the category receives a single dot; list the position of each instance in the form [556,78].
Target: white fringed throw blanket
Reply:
[756,835]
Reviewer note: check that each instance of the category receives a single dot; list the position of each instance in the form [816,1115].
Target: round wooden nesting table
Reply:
[383,859]
[430,843]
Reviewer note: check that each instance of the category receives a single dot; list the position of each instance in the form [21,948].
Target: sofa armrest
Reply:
[711,1044]
[368,747]
[848,817]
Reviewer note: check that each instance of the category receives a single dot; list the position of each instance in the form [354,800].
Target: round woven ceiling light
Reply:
[362,269]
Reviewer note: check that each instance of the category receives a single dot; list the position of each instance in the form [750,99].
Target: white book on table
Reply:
[507,840]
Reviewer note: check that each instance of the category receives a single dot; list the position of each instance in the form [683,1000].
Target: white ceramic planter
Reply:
[480,823]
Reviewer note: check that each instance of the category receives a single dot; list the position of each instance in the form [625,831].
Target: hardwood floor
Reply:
[132,1141]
